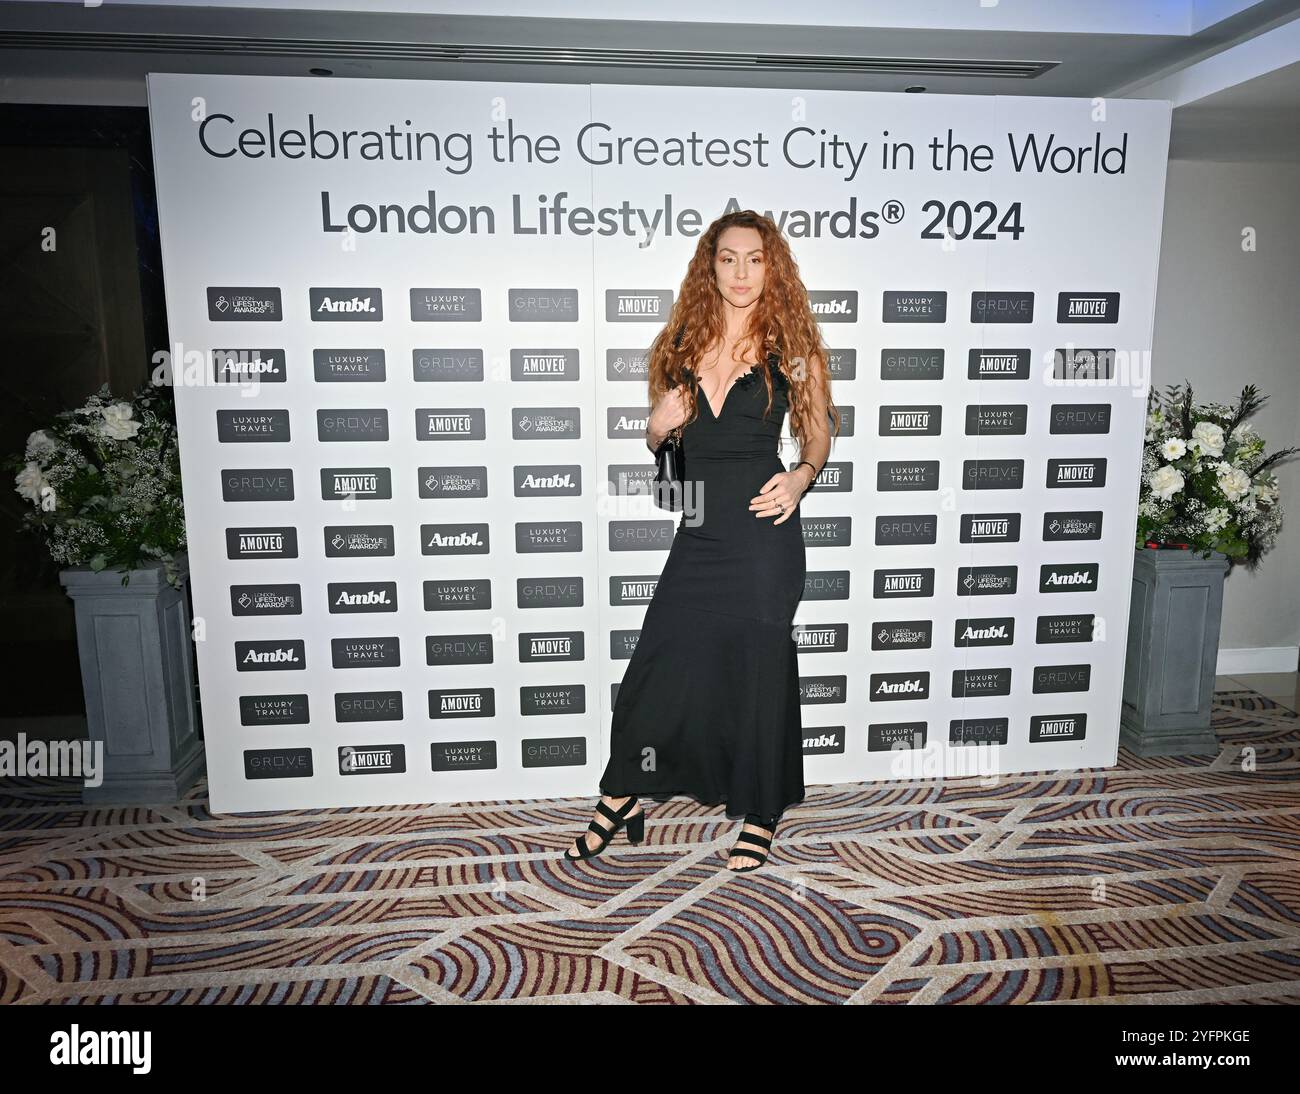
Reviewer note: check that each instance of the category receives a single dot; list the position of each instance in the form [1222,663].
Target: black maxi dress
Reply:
[709,702]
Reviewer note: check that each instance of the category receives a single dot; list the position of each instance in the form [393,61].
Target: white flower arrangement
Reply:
[1205,480]
[104,483]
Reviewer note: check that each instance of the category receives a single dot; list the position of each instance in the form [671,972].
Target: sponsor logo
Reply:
[553,752]
[821,637]
[1001,307]
[346,305]
[902,529]
[824,741]
[262,542]
[352,425]
[997,364]
[458,649]
[346,597]
[270,655]
[1076,363]
[1087,307]
[462,703]
[359,541]
[978,731]
[914,307]
[372,759]
[544,364]
[273,710]
[243,366]
[545,423]
[1064,628]
[1080,418]
[358,653]
[277,763]
[911,421]
[911,364]
[446,306]
[992,474]
[896,584]
[463,755]
[986,580]
[902,634]
[549,592]
[888,687]
[988,631]
[265,600]
[548,537]
[548,480]
[632,590]
[442,424]
[355,482]
[834,305]
[1071,526]
[1063,578]
[640,535]
[453,482]
[257,484]
[457,594]
[827,531]
[637,305]
[1086,471]
[368,706]
[1057,727]
[826,585]
[547,646]
[232,304]
[337,366]
[997,420]
[454,365]
[990,528]
[1057,678]
[542,305]
[538,699]
[972,683]
[817,690]
[885,736]
[907,475]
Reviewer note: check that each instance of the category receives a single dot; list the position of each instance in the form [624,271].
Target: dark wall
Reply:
[85,311]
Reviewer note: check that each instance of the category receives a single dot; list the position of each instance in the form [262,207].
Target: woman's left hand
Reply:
[779,496]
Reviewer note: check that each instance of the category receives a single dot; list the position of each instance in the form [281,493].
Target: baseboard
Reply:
[1258,659]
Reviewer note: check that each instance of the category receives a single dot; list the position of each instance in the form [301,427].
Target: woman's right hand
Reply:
[671,412]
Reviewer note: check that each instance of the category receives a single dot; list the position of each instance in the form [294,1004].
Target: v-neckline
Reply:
[717,414]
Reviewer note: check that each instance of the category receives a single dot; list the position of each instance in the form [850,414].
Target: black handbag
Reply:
[670,472]
[670,463]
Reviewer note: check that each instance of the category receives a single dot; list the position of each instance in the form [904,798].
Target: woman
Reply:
[709,702]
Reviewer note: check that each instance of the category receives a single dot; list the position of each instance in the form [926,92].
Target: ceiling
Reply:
[1230,67]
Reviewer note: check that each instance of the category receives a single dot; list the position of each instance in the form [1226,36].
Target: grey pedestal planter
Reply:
[137,668]
[1173,647]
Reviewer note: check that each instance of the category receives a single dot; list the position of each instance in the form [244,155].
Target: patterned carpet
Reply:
[1171,880]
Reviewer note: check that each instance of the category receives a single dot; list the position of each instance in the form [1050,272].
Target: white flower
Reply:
[40,444]
[1173,448]
[1208,437]
[29,482]
[1165,482]
[1216,518]
[1234,482]
[118,423]
[1264,493]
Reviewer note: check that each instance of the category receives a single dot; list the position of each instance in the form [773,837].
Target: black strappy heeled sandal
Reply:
[757,841]
[635,829]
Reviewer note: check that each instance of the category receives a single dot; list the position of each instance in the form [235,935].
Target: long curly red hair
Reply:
[781,321]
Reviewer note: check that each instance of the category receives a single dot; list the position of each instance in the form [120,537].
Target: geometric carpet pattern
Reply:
[1158,880]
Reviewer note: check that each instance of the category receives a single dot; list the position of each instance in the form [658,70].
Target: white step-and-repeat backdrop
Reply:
[409,324]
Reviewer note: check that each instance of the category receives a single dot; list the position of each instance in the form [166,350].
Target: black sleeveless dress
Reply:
[709,702]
